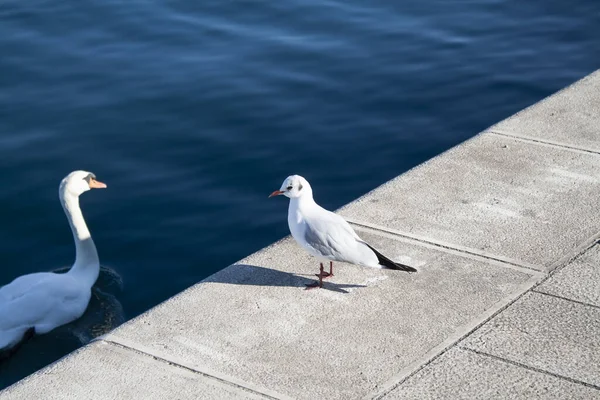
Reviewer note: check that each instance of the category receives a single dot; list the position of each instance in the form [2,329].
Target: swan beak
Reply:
[94,184]
[276,193]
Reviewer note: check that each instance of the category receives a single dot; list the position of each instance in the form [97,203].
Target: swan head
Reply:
[293,186]
[78,182]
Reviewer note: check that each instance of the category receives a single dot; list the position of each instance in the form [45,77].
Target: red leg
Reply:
[324,275]
[317,284]
[330,274]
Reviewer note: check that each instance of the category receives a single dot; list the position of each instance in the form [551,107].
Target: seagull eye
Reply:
[290,187]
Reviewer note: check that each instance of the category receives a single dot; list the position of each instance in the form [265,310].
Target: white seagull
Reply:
[326,235]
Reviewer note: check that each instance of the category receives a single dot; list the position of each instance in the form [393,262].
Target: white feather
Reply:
[322,233]
[44,301]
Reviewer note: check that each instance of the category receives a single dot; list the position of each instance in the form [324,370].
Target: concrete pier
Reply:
[504,231]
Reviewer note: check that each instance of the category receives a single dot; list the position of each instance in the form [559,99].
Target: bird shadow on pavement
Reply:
[244,274]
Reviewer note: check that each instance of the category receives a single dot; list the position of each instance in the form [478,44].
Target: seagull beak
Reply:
[276,193]
[94,184]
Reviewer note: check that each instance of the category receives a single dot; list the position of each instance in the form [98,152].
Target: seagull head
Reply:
[293,186]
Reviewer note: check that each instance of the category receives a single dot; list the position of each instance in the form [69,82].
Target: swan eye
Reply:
[89,178]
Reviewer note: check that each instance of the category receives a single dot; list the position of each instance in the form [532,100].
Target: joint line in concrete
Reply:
[531,368]
[452,341]
[221,380]
[447,246]
[572,256]
[543,142]
[566,299]
[439,350]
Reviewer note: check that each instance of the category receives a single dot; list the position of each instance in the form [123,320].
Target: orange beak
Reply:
[94,184]
[276,193]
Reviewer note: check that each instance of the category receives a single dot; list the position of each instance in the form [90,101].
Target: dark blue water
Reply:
[193,112]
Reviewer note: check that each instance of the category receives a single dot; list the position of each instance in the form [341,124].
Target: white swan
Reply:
[40,302]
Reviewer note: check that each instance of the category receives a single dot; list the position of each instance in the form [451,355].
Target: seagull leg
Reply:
[330,274]
[317,284]
[324,275]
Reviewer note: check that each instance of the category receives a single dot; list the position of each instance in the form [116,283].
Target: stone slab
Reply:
[462,374]
[568,117]
[545,332]
[580,280]
[254,320]
[105,371]
[497,195]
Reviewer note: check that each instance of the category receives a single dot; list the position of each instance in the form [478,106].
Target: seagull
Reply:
[326,235]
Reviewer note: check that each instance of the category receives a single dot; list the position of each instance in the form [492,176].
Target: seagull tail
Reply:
[389,264]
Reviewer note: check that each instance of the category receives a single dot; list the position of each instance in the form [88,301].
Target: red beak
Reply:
[276,193]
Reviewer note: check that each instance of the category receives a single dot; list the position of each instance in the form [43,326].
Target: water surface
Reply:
[193,112]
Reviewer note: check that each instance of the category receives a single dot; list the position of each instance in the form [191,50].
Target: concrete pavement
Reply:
[506,304]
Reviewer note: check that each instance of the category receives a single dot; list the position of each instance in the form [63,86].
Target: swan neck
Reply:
[87,264]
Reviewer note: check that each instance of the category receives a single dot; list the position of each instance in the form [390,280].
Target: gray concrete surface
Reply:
[488,195]
[106,371]
[463,374]
[548,333]
[502,230]
[580,281]
[268,331]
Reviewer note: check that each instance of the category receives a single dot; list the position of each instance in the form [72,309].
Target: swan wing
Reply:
[22,285]
[42,301]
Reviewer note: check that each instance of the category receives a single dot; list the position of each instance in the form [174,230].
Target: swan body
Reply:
[39,302]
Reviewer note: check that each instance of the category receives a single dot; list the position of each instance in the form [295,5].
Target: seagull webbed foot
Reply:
[329,274]
[321,275]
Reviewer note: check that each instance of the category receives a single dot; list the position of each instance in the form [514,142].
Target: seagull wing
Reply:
[331,237]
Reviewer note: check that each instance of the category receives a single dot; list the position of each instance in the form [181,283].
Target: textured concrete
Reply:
[548,333]
[484,223]
[105,371]
[496,195]
[579,281]
[463,374]
[570,117]
[255,321]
